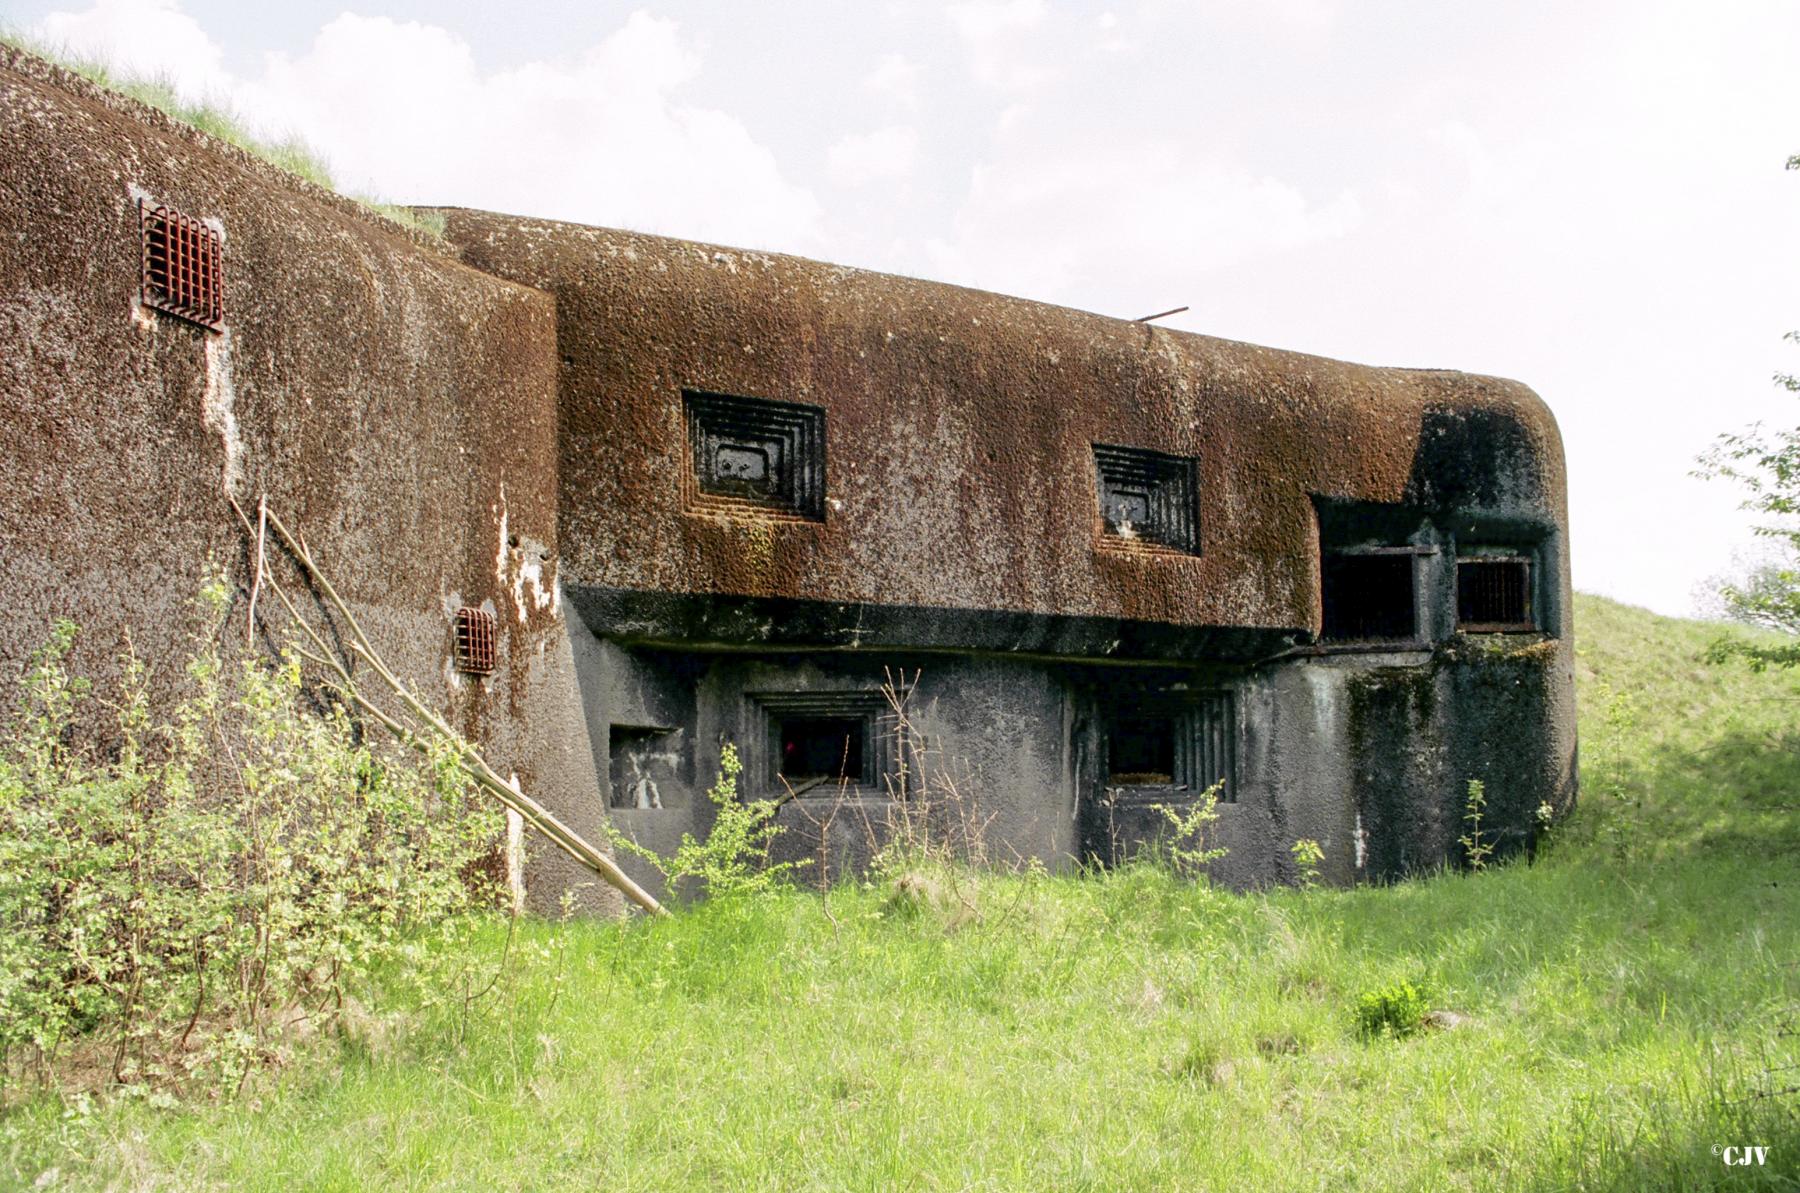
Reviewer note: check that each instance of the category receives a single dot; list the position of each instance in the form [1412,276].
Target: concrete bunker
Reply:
[734,494]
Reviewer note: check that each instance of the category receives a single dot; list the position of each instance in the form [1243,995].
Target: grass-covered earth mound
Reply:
[1613,1015]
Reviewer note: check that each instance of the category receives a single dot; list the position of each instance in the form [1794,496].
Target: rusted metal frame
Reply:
[1498,586]
[183,272]
[475,654]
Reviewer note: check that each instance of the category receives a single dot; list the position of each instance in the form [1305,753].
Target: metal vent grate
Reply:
[758,455]
[474,641]
[1147,498]
[1188,743]
[184,266]
[1493,594]
[1209,746]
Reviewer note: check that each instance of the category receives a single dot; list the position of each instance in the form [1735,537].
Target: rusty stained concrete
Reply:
[498,421]
[962,419]
[396,406]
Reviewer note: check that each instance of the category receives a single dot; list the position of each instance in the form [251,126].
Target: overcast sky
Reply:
[1587,196]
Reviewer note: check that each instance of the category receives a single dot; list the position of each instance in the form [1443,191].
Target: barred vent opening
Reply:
[474,641]
[1368,597]
[756,454]
[1211,741]
[1493,595]
[1188,743]
[184,266]
[1141,752]
[1148,498]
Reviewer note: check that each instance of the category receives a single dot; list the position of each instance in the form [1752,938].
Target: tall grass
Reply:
[1632,1002]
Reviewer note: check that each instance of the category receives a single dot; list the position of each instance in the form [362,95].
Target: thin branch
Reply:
[262,533]
[467,757]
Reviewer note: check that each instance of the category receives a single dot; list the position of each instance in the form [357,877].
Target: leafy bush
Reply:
[1395,1011]
[173,897]
[733,860]
[1308,856]
[1184,849]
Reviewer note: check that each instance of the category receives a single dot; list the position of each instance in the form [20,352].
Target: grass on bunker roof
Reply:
[217,119]
[1633,1001]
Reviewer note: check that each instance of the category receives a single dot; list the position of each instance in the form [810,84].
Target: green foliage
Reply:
[1766,465]
[1391,1012]
[733,860]
[1477,849]
[175,889]
[1308,856]
[1184,849]
[1107,1030]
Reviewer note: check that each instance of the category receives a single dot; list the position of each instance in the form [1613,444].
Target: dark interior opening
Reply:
[830,748]
[1368,597]
[1141,751]
[1493,594]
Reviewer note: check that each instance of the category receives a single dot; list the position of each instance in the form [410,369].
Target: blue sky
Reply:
[1587,197]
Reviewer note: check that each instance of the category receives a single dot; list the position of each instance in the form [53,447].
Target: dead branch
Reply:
[430,726]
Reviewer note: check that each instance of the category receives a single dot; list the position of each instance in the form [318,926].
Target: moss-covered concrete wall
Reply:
[394,404]
[959,429]
[502,420]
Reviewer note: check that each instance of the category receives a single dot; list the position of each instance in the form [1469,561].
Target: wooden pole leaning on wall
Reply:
[427,724]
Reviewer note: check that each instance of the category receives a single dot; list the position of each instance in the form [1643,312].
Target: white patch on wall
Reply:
[523,567]
[1361,840]
[218,412]
[500,550]
[515,852]
[218,404]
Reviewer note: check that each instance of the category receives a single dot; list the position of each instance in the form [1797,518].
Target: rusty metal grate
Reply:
[474,641]
[184,266]
[1493,594]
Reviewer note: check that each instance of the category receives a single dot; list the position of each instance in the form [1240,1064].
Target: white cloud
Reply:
[151,38]
[985,20]
[886,153]
[403,110]
[895,77]
[994,32]
[1124,221]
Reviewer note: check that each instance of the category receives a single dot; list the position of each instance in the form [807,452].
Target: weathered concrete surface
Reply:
[961,521]
[397,407]
[959,427]
[505,427]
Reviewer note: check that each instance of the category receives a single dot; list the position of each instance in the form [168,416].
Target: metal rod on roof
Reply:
[1160,314]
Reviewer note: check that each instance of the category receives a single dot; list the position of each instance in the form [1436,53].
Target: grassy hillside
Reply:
[1632,1004]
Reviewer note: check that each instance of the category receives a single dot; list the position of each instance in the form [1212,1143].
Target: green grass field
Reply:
[1633,1004]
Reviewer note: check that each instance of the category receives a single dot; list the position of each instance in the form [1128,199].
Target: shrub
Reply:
[173,896]
[1395,1011]
[1308,856]
[733,860]
[1184,849]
